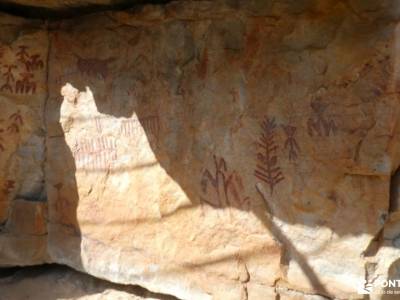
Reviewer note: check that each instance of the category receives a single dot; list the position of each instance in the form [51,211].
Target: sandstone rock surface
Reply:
[221,149]
[23,92]
[66,4]
[63,4]
[59,282]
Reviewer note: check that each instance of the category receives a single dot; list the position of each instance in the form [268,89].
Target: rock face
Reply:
[213,149]
[23,93]
[61,4]
[60,282]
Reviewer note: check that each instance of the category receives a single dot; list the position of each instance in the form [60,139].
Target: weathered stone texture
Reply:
[226,149]
[59,282]
[63,4]
[23,92]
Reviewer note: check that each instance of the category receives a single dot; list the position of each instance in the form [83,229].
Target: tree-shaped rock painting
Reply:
[318,123]
[226,186]
[267,168]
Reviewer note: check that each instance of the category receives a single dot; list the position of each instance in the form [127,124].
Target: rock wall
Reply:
[23,92]
[208,150]
[60,282]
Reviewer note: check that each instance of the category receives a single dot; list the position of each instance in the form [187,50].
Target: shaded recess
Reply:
[57,281]
[66,11]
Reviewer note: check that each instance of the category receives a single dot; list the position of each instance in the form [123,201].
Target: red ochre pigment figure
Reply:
[24,85]
[150,126]
[227,186]
[2,148]
[22,54]
[317,123]
[16,122]
[97,153]
[8,76]
[93,67]
[34,63]
[8,186]
[290,142]
[267,168]
[202,66]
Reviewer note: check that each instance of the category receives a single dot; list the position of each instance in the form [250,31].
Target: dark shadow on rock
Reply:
[172,159]
[49,282]
[64,244]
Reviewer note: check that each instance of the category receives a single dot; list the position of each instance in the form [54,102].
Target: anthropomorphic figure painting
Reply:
[9,78]
[25,84]
[290,143]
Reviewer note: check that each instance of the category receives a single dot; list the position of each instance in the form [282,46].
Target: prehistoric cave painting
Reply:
[223,188]
[98,124]
[31,62]
[133,127]
[94,67]
[253,45]
[25,85]
[34,63]
[2,147]
[66,210]
[202,66]
[9,78]
[8,186]
[137,90]
[16,121]
[95,154]
[318,123]
[22,54]
[267,168]
[151,125]
[290,143]
[130,128]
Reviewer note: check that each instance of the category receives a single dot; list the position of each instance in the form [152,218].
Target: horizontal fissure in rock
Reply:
[36,11]
[53,281]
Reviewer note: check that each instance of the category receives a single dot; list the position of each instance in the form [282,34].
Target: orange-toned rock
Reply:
[23,91]
[223,149]
[212,150]
[63,4]
[59,282]
[23,238]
